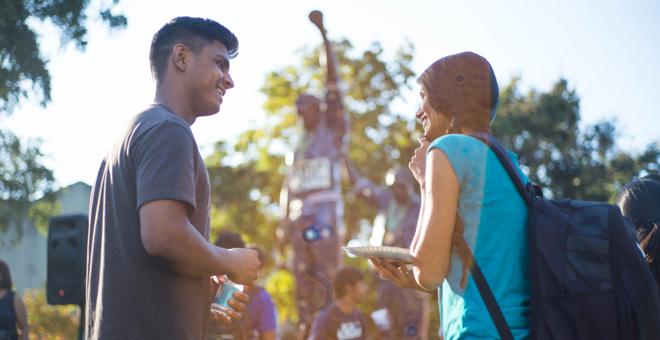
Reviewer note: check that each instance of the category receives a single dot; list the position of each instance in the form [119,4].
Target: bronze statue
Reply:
[311,195]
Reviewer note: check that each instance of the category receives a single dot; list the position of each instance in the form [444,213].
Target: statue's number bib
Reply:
[310,174]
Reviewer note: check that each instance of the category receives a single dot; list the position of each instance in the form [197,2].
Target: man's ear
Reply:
[180,57]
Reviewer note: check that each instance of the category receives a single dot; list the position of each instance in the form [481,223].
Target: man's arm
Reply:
[166,232]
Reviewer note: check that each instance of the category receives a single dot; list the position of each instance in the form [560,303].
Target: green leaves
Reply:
[23,72]
[22,178]
[24,75]
[246,177]
[569,162]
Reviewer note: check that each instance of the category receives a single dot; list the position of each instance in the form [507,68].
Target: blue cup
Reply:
[225,292]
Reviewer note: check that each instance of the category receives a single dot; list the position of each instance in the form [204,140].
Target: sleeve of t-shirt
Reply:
[165,165]
[268,320]
[321,329]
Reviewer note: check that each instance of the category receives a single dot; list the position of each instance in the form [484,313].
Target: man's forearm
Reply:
[192,255]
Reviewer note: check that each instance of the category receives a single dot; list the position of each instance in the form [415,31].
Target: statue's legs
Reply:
[315,260]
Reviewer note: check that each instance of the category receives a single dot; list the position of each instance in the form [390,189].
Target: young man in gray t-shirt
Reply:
[342,319]
[149,262]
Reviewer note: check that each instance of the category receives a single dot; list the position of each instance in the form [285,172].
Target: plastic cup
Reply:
[225,292]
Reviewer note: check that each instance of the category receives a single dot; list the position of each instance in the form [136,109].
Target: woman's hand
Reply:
[417,164]
[398,273]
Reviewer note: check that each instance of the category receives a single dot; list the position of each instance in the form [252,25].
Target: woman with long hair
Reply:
[470,206]
[13,315]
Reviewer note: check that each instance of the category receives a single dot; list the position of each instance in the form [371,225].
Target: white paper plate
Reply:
[393,253]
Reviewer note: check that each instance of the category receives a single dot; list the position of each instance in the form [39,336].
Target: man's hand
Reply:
[227,315]
[244,264]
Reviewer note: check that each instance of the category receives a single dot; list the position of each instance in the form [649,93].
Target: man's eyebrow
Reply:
[223,59]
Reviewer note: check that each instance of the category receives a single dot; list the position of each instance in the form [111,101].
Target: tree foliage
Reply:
[50,322]
[24,75]
[246,176]
[22,177]
[23,69]
[542,127]
[568,161]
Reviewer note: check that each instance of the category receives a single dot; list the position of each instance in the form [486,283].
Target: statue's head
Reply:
[309,110]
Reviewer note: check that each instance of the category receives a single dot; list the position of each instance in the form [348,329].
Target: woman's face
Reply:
[434,124]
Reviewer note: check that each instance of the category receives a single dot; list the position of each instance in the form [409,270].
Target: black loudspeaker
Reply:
[67,239]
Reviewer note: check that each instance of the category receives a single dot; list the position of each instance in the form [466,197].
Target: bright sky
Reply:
[608,50]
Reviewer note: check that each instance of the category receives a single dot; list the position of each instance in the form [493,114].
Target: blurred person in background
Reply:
[13,314]
[259,320]
[343,320]
[398,205]
[639,202]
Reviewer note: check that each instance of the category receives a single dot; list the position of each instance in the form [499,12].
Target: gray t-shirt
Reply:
[131,294]
[333,324]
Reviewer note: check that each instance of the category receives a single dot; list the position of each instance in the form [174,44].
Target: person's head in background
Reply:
[229,240]
[402,183]
[639,202]
[348,285]
[459,92]
[5,277]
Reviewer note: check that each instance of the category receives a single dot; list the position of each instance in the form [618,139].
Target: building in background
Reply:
[27,258]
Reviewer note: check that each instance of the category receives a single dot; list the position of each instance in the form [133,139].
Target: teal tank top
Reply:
[495,219]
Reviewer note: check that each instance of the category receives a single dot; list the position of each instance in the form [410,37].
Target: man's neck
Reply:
[346,305]
[171,98]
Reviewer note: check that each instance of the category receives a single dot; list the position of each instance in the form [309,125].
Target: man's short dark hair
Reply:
[229,240]
[347,276]
[5,276]
[195,33]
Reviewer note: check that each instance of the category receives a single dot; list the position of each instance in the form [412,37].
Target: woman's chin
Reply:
[432,135]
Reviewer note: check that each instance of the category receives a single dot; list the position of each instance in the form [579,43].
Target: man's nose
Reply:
[229,82]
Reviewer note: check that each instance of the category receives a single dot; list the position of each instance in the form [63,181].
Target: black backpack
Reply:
[589,278]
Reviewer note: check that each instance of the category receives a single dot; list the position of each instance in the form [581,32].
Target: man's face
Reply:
[358,291]
[308,110]
[400,193]
[209,78]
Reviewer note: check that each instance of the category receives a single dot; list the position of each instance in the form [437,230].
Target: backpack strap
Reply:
[478,276]
[491,304]
[504,159]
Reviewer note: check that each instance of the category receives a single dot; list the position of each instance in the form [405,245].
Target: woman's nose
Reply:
[419,113]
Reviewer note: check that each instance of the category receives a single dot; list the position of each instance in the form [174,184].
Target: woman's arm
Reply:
[418,228]
[432,249]
[21,317]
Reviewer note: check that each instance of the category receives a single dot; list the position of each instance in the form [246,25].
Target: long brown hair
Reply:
[463,88]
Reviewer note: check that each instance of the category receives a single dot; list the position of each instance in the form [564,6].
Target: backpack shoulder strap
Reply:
[504,159]
[489,299]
